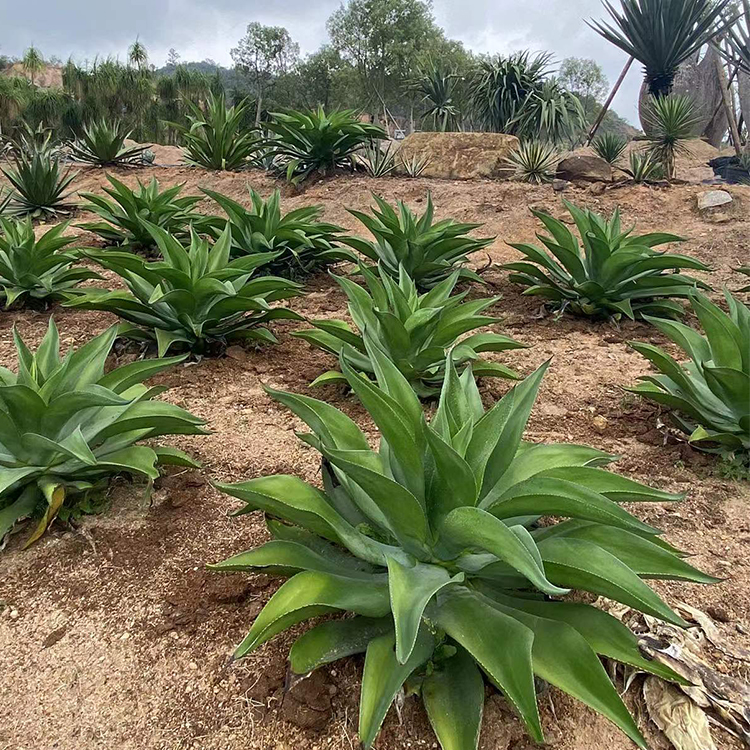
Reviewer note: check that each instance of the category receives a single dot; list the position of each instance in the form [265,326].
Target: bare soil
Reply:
[114,635]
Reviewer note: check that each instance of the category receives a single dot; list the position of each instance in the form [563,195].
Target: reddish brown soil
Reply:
[114,635]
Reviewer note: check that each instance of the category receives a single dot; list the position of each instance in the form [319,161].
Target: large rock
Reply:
[461,156]
[713,199]
[584,168]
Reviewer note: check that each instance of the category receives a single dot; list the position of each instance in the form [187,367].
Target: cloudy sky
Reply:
[200,29]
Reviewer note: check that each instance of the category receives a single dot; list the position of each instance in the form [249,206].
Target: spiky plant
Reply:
[610,147]
[644,167]
[710,393]
[33,63]
[534,161]
[103,143]
[413,330]
[68,427]
[615,273]
[377,162]
[672,120]
[432,543]
[34,268]
[196,298]
[661,34]
[415,165]
[301,242]
[125,213]
[428,252]
[316,141]
[437,89]
[27,141]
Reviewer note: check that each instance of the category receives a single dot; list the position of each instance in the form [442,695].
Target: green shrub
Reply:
[432,543]
[195,297]
[303,243]
[429,252]
[103,143]
[644,167]
[671,121]
[610,147]
[37,268]
[124,217]
[414,331]
[618,273]
[534,161]
[376,161]
[710,394]
[67,427]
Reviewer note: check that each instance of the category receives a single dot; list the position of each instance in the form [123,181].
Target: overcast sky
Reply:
[200,29]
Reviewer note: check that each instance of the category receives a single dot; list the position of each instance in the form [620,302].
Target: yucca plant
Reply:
[377,162]
[414,166]
[428,252]
[67,427]
[671,120]
[615,273]
[124,217]
[195,298]
[534,161]
[644,167]
[413,330]
[33,268]
[710,394]
[103,143]
[610,147]
[302,243]
[432,543]
[216,137]
[303,143]
[437,88]
[39,187]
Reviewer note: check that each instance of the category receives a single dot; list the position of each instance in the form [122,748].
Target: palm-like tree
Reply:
[437,88]
[671,120]
[33,63]
[137,54]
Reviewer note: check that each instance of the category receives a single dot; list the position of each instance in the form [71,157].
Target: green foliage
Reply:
[196,297]
[36,268]
[377,162]
[103,143]
[618,273]
[300,242]
[534,161]
[583,77]
[67,427]
[437,89]
[414,331]
[671,121]
[432,543]
[415,165]
[428,252]
[710,394]
[303,143]
[33,63]
[125,215]
[644,167]
[661,34]
[610,147]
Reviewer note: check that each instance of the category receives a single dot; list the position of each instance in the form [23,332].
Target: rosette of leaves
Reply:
[37,269]
[609,273]
[302,242]
[195,298]
[125,213]
[431,542]
[66,427]
[103,143]
[413,330]
[709,394]
[428,251]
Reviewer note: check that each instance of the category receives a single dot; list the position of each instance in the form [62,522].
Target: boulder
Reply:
[461,156]
[713,199]
[584,168]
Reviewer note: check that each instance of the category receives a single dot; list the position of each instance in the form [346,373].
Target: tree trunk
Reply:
[725,93]
[258,108]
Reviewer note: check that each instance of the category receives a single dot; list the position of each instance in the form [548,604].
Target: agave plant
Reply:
[644,167]
[37,268]
[432,543]
[427,252]
[534,161]
[68,427]
[377,162]
[415,165]
[302,244]
[103,143]
[671,121]
[315,141]
[617,274]
[610,147]
[216,138]
[414,331]
[710,394]
[124,217]
[39,186]
[196,297]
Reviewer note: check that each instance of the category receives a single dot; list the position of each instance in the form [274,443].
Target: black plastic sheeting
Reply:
[730,169]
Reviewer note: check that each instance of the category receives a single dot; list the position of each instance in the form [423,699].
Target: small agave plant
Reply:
[433,543]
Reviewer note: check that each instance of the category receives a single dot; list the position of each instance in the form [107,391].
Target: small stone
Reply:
[596,188]
[559,185]
[712,199]
[14,614]
[125,637]
[236,352]
[193,666]
[600,423]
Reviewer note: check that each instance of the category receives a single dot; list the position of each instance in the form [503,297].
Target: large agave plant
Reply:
[432,543]
[37,268]
[618,273]
[103,143]
[534,161]
[302,242]
[429,252]
[124,218]
[194,298]
[413,330]
[710,394]
[67,427]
